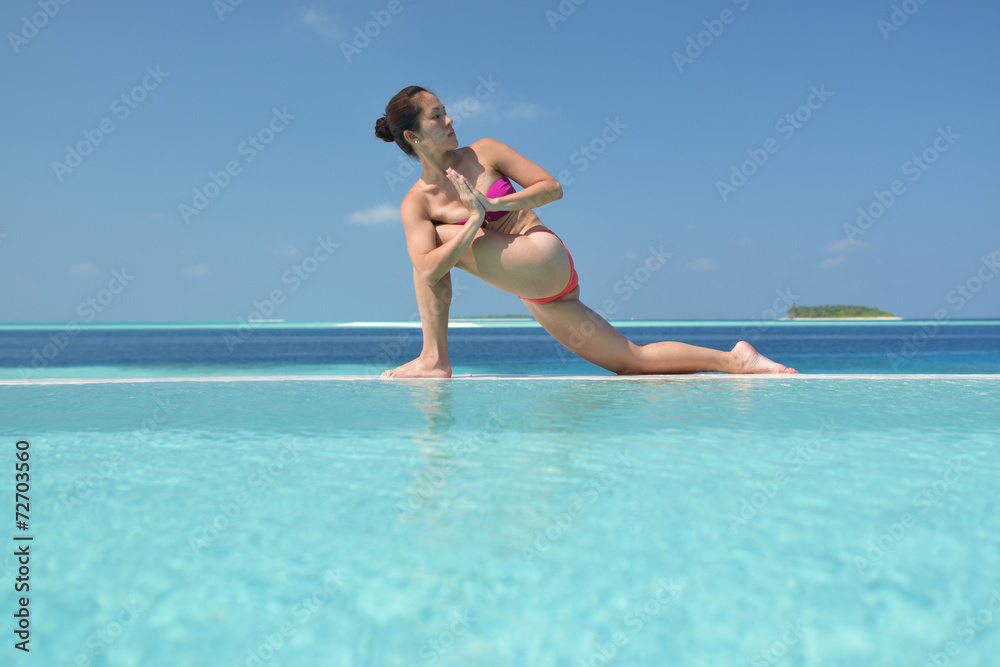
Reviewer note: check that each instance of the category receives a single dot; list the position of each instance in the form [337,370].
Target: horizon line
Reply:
[484,321]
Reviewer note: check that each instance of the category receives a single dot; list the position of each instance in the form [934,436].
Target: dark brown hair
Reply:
[401,114]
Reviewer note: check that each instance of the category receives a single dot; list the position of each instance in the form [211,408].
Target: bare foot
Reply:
[749,360]
[420,367]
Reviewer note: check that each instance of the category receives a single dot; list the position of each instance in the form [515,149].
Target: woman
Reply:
[497,237]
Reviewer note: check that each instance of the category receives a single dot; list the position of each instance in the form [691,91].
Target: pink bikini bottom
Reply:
[574,280]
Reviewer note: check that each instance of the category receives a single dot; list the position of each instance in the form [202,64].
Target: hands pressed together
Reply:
[477,203]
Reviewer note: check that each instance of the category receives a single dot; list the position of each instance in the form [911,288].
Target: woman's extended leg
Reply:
[590,336]
[511,262]
[433,302]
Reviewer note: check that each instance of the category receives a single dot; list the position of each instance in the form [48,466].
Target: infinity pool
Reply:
[814,520]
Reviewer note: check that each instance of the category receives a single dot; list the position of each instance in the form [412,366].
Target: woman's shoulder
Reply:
[487,153]
[416,197]
[495,154]
[485,145]
[415,207]
[416,201]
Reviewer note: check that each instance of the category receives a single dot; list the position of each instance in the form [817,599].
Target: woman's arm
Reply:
[540,187]
[432,261]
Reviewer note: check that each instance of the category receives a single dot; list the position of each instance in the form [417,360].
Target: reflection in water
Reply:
[549,448]
[435,399]
[574,407]
[444,452]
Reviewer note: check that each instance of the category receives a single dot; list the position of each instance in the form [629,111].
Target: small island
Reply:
[839,312]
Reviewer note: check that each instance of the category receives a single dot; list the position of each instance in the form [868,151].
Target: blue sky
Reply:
[197,161]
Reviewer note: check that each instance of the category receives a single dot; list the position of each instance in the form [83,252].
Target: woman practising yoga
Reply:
[497,237]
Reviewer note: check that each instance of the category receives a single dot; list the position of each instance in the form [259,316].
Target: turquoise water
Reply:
[479,347]
[500,521]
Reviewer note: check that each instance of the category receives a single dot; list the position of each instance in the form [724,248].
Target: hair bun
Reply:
[382,130]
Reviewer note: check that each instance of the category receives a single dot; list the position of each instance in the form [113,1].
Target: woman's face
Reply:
[435,125]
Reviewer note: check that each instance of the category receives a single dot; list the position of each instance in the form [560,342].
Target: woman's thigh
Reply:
[586,333]
[533,265]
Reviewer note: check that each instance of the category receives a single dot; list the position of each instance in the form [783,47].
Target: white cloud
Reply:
[316,18]
[845,245]
[286,251]
[703,264]
[375,215]
[524,111]
[197,270]
[312,16]
[832,262]
[84,269]
[463,108]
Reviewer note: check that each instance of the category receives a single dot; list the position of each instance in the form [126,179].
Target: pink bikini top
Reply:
[500,188]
